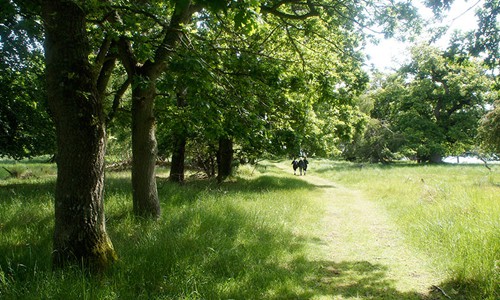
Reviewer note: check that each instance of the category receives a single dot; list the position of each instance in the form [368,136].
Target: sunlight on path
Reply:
[356,231]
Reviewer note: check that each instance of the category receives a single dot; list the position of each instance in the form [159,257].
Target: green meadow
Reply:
[450,212]
[252,237]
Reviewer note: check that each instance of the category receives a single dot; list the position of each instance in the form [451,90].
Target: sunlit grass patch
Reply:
[450,212]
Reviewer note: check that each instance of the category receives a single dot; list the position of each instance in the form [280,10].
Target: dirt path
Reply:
[358,232]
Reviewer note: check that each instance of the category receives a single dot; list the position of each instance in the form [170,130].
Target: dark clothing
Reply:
[295,164]
[301,164]
[305,164]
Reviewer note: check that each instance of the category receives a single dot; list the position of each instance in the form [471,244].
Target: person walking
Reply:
[295,165]
[306,162]
[301,165]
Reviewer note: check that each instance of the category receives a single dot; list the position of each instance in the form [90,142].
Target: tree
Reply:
[144,65]
[435,102]
[75,101]
[179,140]
[26,129]
[484,41]
[489,130]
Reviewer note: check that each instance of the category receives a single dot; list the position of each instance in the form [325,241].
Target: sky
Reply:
[389,54]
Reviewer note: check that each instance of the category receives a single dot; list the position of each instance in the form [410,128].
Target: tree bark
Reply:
[80,236]
[144,152]
[224,158]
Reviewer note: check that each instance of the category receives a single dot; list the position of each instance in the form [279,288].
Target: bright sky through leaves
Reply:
[389,54]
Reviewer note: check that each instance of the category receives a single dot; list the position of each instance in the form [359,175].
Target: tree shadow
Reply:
[465,289]
[196,252]
[26,228]
[228,255]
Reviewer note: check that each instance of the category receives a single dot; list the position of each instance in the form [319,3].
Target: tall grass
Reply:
[244,239]
[452,212]
[253,237]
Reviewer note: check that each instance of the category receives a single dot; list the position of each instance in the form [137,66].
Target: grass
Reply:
[253,237]
[244,239]
[452,212]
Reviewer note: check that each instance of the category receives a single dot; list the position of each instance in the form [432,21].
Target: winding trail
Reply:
[357,230]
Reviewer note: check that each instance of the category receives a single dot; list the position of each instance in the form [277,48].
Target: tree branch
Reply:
[117,99]
[127,56]
[274,10]
[173,34]
[142,12]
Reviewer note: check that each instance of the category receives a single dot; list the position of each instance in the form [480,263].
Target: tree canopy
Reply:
[259,76]
[435,103]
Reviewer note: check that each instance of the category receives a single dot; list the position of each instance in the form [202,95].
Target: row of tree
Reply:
[267,76]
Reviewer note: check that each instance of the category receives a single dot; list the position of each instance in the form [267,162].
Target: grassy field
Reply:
[451,212]
[251,237]
[245,239]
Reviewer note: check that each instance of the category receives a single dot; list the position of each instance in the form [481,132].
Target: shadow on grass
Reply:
[175,194]
[197,251]
[466,289]
[205,254]
[26,221]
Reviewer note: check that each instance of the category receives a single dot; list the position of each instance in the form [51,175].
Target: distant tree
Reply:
[436,103]
[489,130]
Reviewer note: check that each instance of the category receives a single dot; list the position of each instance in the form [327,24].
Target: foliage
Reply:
[435,103]
[25,126]
[489,130]
[484,41]
[268,90]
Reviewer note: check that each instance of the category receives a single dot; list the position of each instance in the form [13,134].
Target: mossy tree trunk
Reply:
[80,236]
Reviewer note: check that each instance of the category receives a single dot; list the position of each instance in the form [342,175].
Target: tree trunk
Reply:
[224,158]
[179,143]
[436,158]
[144,146]
[80,236]
[144,151]
[178,156]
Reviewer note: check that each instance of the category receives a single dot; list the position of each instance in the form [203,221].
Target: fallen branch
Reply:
[435,287]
